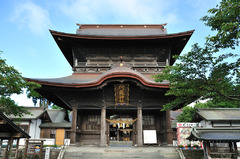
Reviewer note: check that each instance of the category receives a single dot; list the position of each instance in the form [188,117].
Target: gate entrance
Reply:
[120,132]
[121,129]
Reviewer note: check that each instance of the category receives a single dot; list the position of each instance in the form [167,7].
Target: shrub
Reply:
[196,146]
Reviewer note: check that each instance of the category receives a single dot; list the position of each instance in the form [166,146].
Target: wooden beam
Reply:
[9,135]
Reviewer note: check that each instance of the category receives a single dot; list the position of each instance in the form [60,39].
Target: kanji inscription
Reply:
[121,94]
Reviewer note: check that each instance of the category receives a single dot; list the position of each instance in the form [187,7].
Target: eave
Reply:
[65,41]
[164,36]
[101,80]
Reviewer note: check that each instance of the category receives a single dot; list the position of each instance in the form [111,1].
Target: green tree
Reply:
[11,82]
[200,74]
[36,97]
[56,107]
[204,72]
[31,93]
[187,115]
[225,19]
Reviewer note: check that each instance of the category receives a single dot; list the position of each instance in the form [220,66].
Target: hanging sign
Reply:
[121,94]
[188,125]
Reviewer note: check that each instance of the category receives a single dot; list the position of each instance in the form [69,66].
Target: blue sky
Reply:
[28,45]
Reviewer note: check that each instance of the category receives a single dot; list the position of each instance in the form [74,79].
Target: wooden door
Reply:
[60,133]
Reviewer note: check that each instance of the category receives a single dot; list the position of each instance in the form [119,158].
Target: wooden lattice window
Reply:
[93,122]
[52,133]
[148,120]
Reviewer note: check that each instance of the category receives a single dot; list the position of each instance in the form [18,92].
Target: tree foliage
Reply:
[11,82]
[36,97]
[225,19]
[31,93]
[56,107]
[187,115]
[202,74]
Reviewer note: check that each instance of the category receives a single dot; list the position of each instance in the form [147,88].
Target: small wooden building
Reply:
[52,125]
[30,122]
[112,93]
[10,131]
[220,131]
[58,128]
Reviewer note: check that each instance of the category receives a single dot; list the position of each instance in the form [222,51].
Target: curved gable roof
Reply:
[76,81]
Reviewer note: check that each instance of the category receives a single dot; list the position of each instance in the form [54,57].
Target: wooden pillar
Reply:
[208,148]
[17,146]
[139,127]
[205,149]
[103,127]
[25,151]
[9,148]
[41,148]
[235,147]
[74,126]
[169,128]
[117,134]
[230,146]
[108,133]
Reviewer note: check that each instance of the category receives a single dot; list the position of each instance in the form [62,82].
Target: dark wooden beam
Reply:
[9,135]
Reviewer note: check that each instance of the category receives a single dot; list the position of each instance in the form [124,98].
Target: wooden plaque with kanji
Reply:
[121,94]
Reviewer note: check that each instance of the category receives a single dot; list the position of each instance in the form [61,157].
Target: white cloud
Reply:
[31,16]
[124,11]
[22,99]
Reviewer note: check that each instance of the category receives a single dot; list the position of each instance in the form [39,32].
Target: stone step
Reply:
[121,153]
[222,158]
[121,143]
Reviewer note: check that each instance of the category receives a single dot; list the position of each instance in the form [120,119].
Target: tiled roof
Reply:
[218,114]
[76,79]
[57,115]
[66,41]
[10,128]
[35,113]
[58,119]
[215,134]
[56,125]
[121,32]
